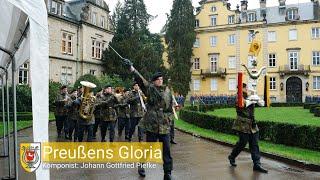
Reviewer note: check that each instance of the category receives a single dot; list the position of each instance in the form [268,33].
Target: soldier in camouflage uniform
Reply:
[97,115]
[248,131]
[108,103]
[73,115]
[136,111]
[123,112]
[61,111]
[156,121]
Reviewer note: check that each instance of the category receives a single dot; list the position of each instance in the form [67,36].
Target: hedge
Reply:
[317,112]
[21,116]
[281,133]
[313,107]
[307,105]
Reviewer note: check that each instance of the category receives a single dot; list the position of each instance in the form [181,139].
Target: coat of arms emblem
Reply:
[30,156]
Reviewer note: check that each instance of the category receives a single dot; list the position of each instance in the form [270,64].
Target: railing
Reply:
[301,69]
[219,72]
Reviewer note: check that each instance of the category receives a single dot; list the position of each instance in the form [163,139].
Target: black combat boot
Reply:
[141,172]
[172,141]
[232,161]
[259,168]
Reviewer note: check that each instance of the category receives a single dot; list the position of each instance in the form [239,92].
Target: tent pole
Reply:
[15,140]
[5,153]
[9,177]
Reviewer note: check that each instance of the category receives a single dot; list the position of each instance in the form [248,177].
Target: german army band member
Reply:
[97,114]
[156,120]
[123,111]
[108,103]
[248,131]
[136,110]
[85,125]
[61,111]
[73,115]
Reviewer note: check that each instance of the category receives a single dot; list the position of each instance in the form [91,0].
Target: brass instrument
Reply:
[142,99]
[87,103]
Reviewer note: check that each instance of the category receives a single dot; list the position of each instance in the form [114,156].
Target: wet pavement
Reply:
[193,158]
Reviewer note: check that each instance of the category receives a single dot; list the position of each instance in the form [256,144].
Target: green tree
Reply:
[134,41]
[91,78]
[180,37]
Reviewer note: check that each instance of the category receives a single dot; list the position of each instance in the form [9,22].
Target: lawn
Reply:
[294,115]
[295,153]
[22,124]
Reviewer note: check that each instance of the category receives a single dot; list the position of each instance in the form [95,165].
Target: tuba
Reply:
[87,103]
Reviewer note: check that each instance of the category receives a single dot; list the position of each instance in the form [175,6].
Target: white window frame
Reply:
[293,34]
[232,39]
[196,64]
[213,9]
[97,48]
[232,62]
[196,43]
[272,57]
[102,21]
[94,18]
[293,57]
[251,17]
[316,82]
[213,20]
[66,75]
[292,13]
[316,58]
[67,40]
[213,84]
[196,85]
[232,82]
[231,19]
[273,83]
[24,73]
[213,41]
[272,36]
[197,23]
[213,63]
[315,33]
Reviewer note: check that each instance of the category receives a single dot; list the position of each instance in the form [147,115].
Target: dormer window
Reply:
[292,14]
[213,9]
[54,7]
[251,17]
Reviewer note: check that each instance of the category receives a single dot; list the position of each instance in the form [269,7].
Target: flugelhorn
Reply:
[87,103]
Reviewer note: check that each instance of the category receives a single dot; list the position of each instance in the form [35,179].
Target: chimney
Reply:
[244,5]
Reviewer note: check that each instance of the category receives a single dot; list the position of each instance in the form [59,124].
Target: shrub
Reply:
[91,78]
[303,136]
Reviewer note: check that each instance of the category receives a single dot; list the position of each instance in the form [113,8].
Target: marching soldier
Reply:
[136,110]
[108,103]
[97,114]
[156,121]
[61,111]
[73,115]
[123,114]
[248,131]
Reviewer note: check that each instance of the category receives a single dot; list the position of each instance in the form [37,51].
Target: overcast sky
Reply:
[161,7]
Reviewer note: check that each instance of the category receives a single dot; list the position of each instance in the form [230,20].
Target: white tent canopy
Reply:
[30,16]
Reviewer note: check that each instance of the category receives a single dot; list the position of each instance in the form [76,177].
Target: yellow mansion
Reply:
[290,48]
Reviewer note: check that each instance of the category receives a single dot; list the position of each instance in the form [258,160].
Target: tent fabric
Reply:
[35,48]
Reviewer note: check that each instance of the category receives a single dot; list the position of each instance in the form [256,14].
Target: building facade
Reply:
[290,48]
[79,31]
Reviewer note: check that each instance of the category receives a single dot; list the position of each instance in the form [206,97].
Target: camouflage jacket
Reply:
[123,109]
[73,109]
[245,118]
[159,107]
[97,108]
[60,103]
[108,104]
[136,109]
